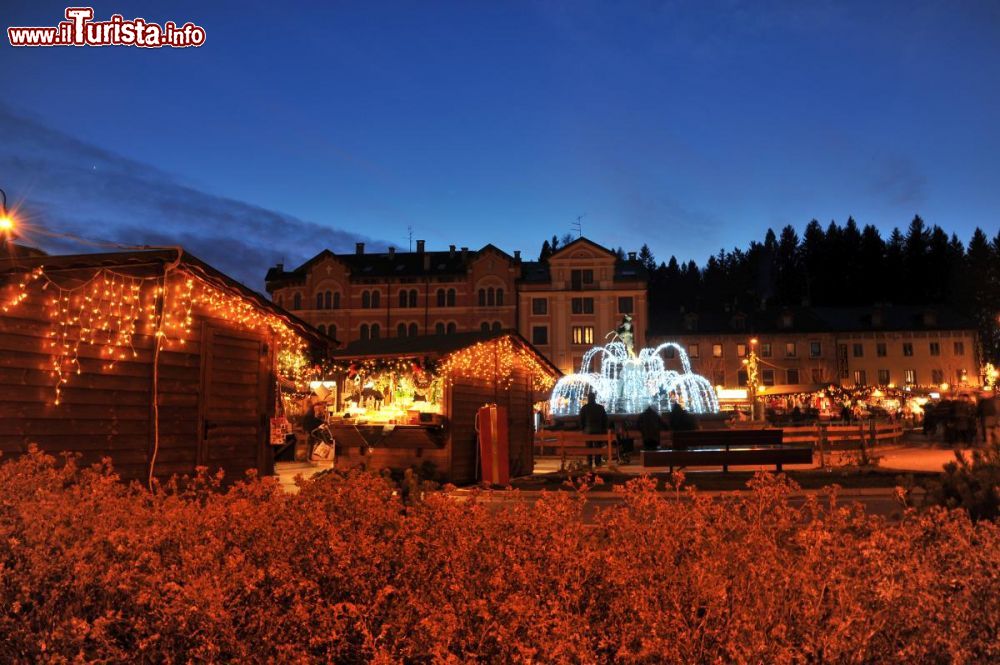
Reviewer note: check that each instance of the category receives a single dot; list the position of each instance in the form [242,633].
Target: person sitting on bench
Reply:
[593,420]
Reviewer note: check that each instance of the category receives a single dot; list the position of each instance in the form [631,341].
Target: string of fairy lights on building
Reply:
[107,311]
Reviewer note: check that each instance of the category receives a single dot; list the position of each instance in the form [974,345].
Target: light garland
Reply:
[107,310]
[495,361]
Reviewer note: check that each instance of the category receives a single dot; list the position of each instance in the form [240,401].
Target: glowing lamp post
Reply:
[753,383]
[6,220]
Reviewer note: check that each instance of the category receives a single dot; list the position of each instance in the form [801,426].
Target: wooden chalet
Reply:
[472,369]
[151,358]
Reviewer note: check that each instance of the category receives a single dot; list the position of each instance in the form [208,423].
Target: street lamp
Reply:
[6,220]
[753,382]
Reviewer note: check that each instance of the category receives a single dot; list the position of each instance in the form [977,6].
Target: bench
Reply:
[727,447]
[566,443]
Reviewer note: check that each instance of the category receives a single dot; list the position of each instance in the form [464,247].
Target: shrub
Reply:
[972,484]
[344,571]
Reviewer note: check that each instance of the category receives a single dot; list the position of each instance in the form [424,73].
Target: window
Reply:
[540,335]
[936,351]
[297,301]
[328,300]
[742,377]
[451,297]
[319,300]
[883,377]
[910,377]
[401,330]
[961,376]
[767,377]
[366,300]
[792,377]
[815,349]
[484,326]
[741,350]
[583,334]
[765,350]
[482,297]
[336,299]
[719,376]
[880,350]
[716,350]
[440,298]
[491,297]
[439,328]
[790,349]
[937,376]
[402,298]
[588,276]
[693,351]
[499,297]
[539,306]
[363,332]
[959,348]
[414,331]
[452,327]
[859,377]
[321,328]
[496,327]
[583,305]
[817,375]
[907,349]
[858,350]
[375,329]
[625,305]
[580,277]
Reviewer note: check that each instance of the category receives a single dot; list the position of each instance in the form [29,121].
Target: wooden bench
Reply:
[567,443]
[727,447]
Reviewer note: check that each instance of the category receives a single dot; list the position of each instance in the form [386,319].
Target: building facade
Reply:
[570,302]
[803,349]
[563,305]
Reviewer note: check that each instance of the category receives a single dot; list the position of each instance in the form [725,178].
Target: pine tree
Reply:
[646,257]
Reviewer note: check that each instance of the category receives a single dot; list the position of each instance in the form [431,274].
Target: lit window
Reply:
[790,349]
[741,350]
[716,350]
[910,377]
[693,351]
[859,377]
[583,334]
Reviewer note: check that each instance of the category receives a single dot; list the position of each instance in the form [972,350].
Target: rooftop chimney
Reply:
[392,252]
[517,255]
[280,267]
[465,254]
[451,251]
[631,256]
[420,247]
[359,248]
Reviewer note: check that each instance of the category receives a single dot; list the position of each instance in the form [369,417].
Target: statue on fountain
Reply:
[624,334]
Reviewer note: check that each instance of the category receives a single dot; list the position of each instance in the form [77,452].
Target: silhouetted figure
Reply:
[593,420]
[650,425]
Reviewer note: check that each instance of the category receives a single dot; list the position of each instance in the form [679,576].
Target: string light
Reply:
[495,361]
[106,311]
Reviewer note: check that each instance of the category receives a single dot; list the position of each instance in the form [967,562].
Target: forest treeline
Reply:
[839,265]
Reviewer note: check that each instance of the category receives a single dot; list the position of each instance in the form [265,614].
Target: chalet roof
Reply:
[811,320]
[158,259]
[433,345]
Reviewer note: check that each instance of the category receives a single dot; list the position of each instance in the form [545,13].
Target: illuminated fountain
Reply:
[627,383]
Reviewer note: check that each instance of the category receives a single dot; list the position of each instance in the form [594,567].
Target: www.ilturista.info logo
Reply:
[79,29]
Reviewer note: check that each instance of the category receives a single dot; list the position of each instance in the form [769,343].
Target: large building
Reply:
[563,305]
[804,348]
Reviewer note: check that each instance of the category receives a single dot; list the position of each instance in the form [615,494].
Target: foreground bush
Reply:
[91,569]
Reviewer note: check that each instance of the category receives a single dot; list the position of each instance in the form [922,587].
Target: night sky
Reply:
[690,126]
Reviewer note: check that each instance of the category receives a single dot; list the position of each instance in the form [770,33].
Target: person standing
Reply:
[593,420]
[650,425]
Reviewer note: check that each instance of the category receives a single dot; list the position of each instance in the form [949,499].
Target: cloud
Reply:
[74,187]
[899,182]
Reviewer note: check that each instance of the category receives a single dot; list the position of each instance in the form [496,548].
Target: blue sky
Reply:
[690,126]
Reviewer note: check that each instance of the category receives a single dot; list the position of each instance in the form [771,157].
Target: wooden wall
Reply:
[109,413]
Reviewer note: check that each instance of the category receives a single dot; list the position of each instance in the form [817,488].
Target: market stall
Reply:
[413,401]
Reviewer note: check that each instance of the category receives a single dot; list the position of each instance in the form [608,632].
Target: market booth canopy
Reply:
[412,401]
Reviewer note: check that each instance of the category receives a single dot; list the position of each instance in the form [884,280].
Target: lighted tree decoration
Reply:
[991,376]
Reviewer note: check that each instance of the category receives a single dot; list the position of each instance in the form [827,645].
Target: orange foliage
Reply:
[92,569]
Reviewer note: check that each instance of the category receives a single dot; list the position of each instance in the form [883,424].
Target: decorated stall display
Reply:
[413,401]
[152,358]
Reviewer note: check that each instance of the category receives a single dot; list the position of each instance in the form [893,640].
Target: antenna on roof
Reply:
[409,233]
[578,225]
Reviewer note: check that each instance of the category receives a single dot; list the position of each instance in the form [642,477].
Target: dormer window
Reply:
[690,321]
[786,320]
[930,318]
